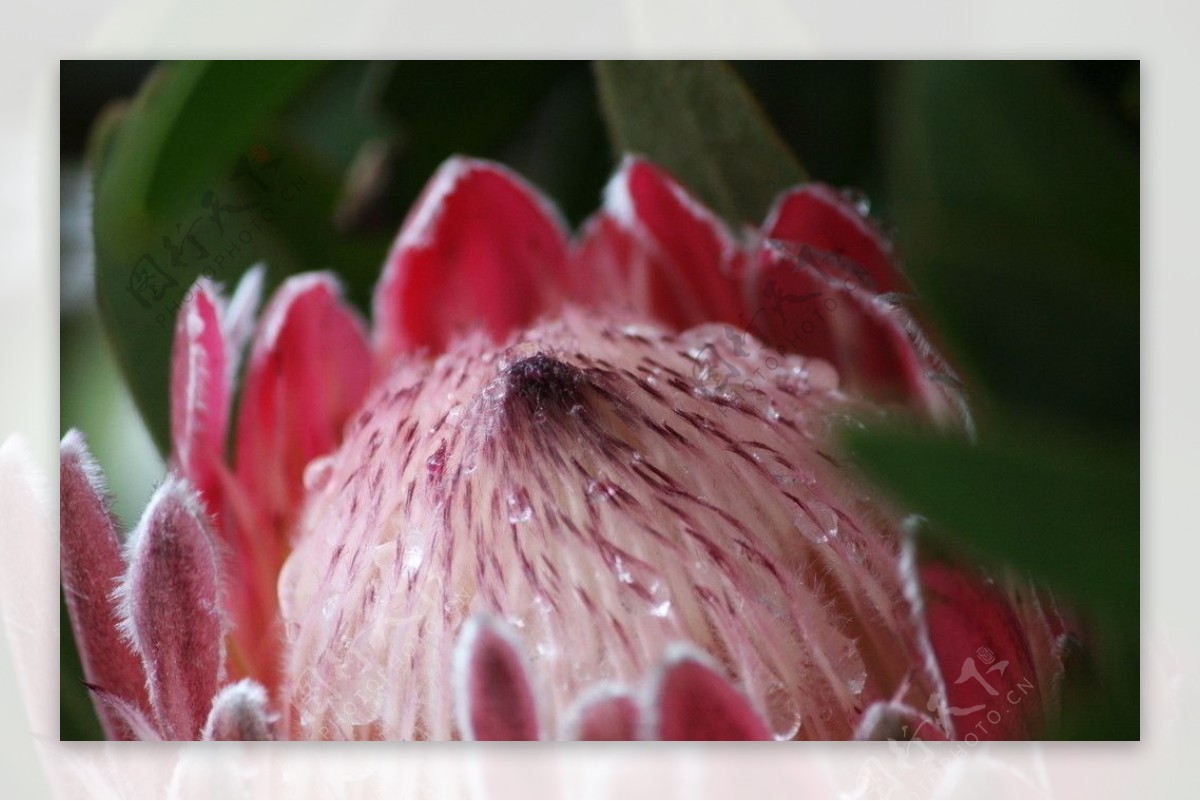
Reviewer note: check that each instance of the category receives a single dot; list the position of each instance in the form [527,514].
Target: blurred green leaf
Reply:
[174,157]
[698,120]
[304,236]
[190,121]
[1016,199]
[1061,509]
[563,147]
[828,111]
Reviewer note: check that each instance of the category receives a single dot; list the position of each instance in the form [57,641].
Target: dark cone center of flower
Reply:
[543,385]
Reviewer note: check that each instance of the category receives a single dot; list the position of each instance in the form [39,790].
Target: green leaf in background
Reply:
[1016,202]
[164,169]
[1060,510]
[1066,515]
[697,119]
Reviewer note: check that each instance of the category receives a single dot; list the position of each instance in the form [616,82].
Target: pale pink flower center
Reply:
[609,491]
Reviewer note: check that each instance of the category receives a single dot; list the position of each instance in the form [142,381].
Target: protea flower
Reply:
[563,489]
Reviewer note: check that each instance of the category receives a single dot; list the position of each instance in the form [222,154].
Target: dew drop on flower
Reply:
[825,518]
[317,473]
[329,609]
[437,462]
[858,198]
[413,556]
[519,508]
[783,712]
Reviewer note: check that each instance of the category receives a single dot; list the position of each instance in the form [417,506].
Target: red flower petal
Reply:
[982,653]
[674,257]
[820,217]
[480,248]
[172,609]
[606,714]
[200,393]
[807,303]
[610,268]
[240,712]
[693,701]
[309,369]
[92,567]
[495,697]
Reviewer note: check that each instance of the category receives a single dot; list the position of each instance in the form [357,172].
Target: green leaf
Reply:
[698,120]
[1017,209]
[1055,507]
[192,127]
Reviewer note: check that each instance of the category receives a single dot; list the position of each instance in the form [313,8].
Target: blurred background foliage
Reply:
[1010,188]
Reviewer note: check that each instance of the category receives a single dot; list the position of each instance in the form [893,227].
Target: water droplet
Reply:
[773,414]
[330,607]
[496,390]
[437,462]
[644,331]
[821,375]
[602,490]
[647,590]
[413,556]
[317,473]
[806,477]
[825,518]
[623,574]
[519,508]
[857,198]
[469,468]
[783,712]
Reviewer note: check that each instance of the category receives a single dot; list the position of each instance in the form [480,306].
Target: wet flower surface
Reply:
[561,489]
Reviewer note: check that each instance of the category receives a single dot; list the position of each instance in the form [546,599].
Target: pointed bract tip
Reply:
[171,610]
[604,712]
[494,696]
[691,699]
[240,712]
